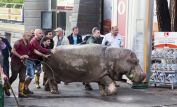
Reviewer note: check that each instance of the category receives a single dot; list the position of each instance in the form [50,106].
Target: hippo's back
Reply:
[78,63]
[83,50]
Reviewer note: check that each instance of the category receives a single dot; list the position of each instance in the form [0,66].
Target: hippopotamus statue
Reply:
[92,63]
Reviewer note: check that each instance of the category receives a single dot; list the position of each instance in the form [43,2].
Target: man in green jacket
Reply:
[94,37]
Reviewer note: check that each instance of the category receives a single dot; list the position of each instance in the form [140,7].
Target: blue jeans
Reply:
[30,70]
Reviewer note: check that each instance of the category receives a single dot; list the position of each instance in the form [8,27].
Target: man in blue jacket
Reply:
[75,38]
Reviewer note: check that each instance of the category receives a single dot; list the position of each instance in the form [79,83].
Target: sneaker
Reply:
[27,91]
[38,86]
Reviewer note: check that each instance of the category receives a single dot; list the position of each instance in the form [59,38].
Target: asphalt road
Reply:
[74,95]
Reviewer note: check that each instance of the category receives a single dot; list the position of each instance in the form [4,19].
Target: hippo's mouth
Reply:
[136,76]
[131,76]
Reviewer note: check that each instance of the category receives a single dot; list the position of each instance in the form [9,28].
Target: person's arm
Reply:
[14,51]
[18,55]
[80,37]
[55,42]
[122,42]
[52,44]
[2,74]
[2,44]
[69,39]
[89,40]
[7,44]
[39,48]
[65,41]
[104,40]
[40,54]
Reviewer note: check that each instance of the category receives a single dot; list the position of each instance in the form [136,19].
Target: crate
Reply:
[1,94]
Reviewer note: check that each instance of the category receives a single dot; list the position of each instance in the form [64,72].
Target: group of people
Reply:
[29,51]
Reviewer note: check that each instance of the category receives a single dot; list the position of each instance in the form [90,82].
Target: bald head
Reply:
[27,36]
[114,30]
[38,33]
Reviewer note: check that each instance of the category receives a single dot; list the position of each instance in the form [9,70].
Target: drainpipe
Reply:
[150,20]
[49,5]
[102,16]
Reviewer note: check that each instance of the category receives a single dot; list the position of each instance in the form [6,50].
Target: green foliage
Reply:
[12,1]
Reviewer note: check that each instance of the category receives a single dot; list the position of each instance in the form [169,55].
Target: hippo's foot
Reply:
[54,91]
[47,88]
[103,93]
[109,90]
[102,90]
[107,86]
[112,89]
[53,87]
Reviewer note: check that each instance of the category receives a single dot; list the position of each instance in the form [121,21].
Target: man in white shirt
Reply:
[60,39]
[113,39]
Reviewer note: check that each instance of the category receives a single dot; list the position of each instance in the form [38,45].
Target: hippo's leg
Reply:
[53,87]
[46,85]
[107,84]
[119,79]
[102,89]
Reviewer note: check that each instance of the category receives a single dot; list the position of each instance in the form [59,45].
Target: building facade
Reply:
[67,14]
[134,18]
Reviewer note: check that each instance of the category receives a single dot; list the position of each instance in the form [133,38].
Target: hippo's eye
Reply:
[133,61]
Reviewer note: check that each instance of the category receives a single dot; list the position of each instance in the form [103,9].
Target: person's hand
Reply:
[53,51]
[24,57]
[4,77]
[46,56]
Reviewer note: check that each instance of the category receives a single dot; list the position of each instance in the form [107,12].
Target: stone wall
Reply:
[32,13]
[86,14]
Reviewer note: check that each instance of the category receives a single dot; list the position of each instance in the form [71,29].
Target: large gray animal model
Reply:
[92,63]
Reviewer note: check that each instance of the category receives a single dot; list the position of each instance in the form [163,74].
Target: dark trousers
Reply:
[17,69]
[6,65]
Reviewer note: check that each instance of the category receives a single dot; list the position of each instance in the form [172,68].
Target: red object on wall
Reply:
[107,26]
[122,8]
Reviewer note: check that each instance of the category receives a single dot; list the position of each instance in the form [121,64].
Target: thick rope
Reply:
[45,64]
[13,93]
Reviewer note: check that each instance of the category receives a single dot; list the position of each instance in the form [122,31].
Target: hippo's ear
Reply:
[133,61]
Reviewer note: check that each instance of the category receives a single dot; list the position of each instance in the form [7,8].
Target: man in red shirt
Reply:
[19,53]
[36,51]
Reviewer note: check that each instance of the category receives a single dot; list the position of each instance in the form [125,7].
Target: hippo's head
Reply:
[129,64]
[136,73]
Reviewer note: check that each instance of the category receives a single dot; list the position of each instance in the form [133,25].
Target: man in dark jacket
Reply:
[2,74]
[75,38]
[6,53]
